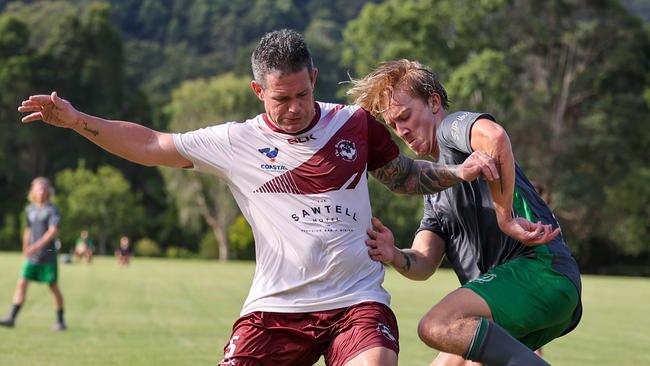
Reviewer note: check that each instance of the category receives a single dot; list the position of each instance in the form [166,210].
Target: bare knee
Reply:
[432,328]
[21,283]
[450,324]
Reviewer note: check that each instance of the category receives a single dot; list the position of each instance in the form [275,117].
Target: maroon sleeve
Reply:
[381,147]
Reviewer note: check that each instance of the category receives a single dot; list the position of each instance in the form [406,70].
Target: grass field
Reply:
[180,312]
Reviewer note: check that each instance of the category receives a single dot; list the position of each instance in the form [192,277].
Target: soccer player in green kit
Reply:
[520,285]
[41,254]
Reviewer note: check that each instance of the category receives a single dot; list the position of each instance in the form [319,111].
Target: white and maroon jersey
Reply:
[306,198]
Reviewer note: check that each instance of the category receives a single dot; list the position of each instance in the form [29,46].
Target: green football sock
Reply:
[494,346]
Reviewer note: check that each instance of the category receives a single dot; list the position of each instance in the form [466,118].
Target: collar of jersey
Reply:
[273,127]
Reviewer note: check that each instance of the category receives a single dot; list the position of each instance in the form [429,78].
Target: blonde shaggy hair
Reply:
[40,180]
[375,91]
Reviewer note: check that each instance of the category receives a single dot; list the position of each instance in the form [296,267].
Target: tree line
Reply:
[568,79]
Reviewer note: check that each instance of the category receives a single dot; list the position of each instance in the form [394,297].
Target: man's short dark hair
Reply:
[284,51]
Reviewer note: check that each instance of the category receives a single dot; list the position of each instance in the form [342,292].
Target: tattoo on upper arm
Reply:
[405,175]
[94,132]
[393,173]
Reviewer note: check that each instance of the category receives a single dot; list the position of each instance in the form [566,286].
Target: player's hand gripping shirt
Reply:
[306,198]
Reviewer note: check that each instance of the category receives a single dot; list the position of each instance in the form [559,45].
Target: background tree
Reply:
[16,64]
[78,52]
[102,203]
[197,104]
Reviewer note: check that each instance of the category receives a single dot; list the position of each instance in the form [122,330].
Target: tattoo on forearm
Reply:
[90,130]
[405,175]
[408,257]
[432,178]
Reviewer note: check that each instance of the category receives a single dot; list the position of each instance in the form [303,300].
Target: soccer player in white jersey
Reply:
[299,175]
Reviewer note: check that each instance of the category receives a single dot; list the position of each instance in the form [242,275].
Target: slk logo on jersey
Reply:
[346,150]
[301,139]
[270,153]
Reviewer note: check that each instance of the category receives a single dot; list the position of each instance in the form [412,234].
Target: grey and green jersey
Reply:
[464,215]
[39,219]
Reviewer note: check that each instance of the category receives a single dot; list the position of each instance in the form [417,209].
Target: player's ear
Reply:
[257,89]
[314,74]
[435,103]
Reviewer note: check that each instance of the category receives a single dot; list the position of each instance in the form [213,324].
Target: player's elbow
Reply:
[423,274]
[497,135]
[151,150]
[156,150]
[160,150]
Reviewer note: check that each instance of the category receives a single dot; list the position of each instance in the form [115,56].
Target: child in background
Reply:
[123,253]
[40,251]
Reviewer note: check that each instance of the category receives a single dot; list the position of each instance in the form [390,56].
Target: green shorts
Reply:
[529,299]
[47,272]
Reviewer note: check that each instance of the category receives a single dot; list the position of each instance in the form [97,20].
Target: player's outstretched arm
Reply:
[490,138]
[128,140]
[408,176]
[417,263]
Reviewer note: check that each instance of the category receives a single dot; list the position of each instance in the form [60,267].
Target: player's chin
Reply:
[420,149]
[293,125]
[421,153]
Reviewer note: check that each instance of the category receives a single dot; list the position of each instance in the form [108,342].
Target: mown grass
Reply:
[180,312]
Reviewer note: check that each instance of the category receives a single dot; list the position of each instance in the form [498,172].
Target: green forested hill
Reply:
[168,41]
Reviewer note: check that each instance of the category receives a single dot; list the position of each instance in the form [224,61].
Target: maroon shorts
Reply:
[265,338]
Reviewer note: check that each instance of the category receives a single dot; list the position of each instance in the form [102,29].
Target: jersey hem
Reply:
[312,308]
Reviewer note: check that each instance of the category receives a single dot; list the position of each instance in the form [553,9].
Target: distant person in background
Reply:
[520,285]
[39,249]
[84,247]
[123,252]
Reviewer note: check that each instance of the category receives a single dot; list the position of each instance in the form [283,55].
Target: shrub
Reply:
[178,252]
[146,247]
[242,243]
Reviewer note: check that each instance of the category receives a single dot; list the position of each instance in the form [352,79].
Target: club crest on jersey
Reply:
[270,153]
[385,330]
[346,150]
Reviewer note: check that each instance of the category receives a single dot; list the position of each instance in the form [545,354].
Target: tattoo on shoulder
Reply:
[94,132]
[405,175]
